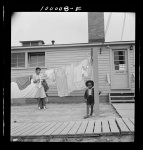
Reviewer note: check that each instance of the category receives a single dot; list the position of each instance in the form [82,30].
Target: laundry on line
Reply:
[67,79]
[22,82]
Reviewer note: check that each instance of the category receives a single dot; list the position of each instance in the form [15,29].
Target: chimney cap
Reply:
[53,42]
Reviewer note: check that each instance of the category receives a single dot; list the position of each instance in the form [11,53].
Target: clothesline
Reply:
[67,78]
[74,63]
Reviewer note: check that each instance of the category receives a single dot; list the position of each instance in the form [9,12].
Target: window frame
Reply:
[36,52]
[124,55]
[24,62]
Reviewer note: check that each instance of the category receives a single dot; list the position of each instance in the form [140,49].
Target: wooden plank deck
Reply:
[60,129]
[105,127]
[20,127]
[23,130]
[74,128]
[90,127]
[125,110]
[39,130]
[129,124]
[113,126]
[67,129]
[28,132]
[132,119]
[122,126]
[51,130]
[82,128]
[97,128]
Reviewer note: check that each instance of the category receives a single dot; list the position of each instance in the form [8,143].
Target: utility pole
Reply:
[95,75]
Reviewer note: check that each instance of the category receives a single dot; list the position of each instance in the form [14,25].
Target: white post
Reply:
[95,75]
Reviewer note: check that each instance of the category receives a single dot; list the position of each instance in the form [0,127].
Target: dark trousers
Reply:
[89,107]
[41,102]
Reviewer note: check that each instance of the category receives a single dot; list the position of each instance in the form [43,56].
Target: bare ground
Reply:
[58,112]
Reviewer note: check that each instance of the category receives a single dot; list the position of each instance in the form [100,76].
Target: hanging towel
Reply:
[78,78]
[22,82]
[70,77]
[50,76]
[61,81]
[85,67]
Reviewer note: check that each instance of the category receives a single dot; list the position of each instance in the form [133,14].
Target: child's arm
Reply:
[85,95]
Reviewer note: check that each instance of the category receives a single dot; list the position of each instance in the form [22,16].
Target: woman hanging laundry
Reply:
[40,95]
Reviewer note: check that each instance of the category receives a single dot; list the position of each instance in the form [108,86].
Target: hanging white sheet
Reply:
[29,92]
[50,77]
[61,81]
[78,78]
[70,77]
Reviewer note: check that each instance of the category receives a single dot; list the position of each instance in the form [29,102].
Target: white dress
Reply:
[40,93]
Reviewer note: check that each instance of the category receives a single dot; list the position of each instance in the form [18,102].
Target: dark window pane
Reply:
[36,59]
[121,57]
[116,57]
[13,65]
[14,56]
[116,62]
[13,61]
[122,62]
[41,58]
[116,67]
[33,65]
[18,60]
[33,59]
[21,55]
[40,64]
[21,64]
[115,52]
[121,52]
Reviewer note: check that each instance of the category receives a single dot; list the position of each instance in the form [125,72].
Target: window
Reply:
[119,60]
[36,59]
[17,60]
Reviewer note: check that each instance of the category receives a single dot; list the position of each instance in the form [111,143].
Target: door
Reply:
[119,73]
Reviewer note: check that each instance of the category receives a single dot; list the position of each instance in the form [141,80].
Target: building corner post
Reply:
[96,85]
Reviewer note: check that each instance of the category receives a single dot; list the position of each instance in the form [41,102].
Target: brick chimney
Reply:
[96,27]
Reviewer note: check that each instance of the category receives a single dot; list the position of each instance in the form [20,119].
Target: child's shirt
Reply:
[90,91]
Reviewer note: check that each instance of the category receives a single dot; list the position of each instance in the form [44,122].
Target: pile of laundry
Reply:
[67,78]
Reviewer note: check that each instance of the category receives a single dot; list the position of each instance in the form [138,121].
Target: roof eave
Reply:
[73,45]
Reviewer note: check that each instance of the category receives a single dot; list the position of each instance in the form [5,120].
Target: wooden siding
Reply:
[58,57]
[103,70]
[23,72]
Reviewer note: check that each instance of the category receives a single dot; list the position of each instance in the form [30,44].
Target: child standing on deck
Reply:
[89,96]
